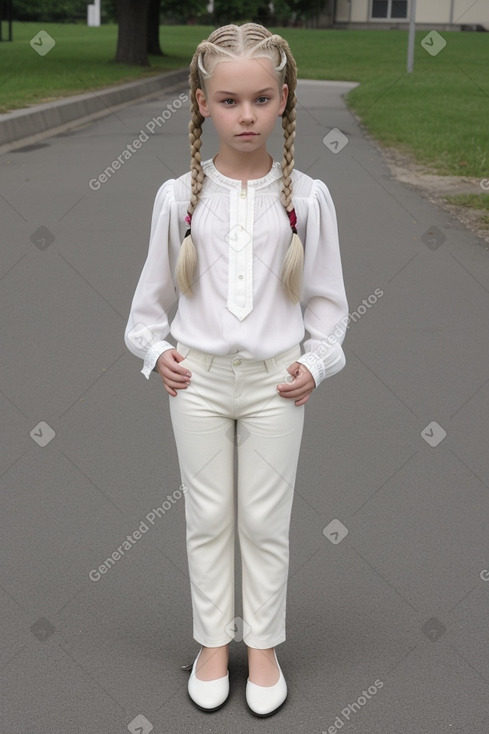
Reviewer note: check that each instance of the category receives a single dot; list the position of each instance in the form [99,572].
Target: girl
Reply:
[260,242]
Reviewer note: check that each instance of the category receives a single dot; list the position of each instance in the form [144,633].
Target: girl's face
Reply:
[243,96]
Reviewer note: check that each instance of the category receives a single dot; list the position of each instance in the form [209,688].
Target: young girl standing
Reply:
[258,267]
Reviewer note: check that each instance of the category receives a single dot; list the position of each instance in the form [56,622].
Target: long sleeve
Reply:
[155,293]
[326,307]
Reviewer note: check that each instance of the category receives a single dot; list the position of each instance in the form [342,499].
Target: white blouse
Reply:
[238,303]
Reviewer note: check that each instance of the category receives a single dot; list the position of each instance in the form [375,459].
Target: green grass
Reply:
[472,201]
[439,113]
[81,60]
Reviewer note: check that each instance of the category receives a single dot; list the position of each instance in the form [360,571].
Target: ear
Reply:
[283,99]
[202,102]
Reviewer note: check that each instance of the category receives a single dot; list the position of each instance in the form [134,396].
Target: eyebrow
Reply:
[267,89]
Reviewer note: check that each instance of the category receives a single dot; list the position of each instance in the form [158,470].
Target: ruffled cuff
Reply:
[324,361]
[151,356]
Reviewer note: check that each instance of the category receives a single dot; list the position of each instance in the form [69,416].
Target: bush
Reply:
[50,11]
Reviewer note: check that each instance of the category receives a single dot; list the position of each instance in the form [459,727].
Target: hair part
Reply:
[250,41]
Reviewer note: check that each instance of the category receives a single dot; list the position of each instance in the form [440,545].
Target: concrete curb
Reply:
[27,126]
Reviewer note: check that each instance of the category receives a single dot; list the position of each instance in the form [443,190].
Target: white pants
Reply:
[228,392]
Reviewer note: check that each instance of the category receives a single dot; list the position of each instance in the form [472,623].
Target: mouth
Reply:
[247,135]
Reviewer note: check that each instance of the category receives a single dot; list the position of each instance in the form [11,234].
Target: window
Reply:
[389,9]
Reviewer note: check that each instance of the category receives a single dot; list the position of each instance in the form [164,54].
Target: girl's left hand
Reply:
[300,387]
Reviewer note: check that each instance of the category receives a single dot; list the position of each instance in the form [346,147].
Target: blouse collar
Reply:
[233,183]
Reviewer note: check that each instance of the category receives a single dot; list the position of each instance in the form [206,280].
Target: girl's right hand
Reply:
[174,377]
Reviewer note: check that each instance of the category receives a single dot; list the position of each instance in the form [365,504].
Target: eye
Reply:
[227,100]
[265,98]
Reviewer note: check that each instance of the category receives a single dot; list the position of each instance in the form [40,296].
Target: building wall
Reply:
[360,11]
[457,12]
[468,13]
[434,11]
[342,11]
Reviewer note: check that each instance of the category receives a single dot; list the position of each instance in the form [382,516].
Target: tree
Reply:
[153,38]
[132,17]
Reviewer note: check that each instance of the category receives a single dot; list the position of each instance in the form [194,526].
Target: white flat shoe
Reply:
[208,695]
[266,700]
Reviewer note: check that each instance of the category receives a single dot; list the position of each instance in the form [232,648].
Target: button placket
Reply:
[240,240]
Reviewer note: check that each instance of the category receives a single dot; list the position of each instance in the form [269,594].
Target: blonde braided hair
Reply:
[250,40]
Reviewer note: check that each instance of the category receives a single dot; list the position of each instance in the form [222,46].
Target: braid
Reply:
[288,125]
[187,258]
[197,172]
[250,40]
[294,259]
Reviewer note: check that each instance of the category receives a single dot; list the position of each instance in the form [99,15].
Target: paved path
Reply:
[387,626]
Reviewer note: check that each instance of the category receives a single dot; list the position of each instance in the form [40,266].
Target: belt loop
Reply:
[209,358]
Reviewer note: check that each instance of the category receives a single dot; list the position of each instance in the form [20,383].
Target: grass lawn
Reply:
[439,113]
[81,60]
[480,202]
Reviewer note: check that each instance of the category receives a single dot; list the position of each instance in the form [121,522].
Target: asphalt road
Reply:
[387,613]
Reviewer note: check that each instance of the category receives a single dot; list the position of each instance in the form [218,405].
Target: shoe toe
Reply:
[266,700]
[208,695]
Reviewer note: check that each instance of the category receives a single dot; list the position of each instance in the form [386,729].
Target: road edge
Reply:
[28,126]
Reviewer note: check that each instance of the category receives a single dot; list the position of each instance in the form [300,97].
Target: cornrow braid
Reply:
[250,40]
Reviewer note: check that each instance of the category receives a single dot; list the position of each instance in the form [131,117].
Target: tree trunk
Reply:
[153,39]
[131,38]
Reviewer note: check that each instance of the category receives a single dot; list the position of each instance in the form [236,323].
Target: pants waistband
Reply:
[271,364]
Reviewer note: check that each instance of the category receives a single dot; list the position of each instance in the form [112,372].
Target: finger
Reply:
[177,356]
[291,388]
[293,369]
[174,369]
[169,390]
[297,393]
[173,380]
[172,385]
[297,398]
[171,369]
[176,384]
[299,375]
[175,377]
[171,360]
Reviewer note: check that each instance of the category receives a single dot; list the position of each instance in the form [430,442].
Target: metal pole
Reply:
[412,36]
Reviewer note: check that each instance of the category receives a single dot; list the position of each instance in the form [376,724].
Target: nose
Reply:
[247,114]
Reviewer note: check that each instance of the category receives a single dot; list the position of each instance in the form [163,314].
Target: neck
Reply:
[244,166]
